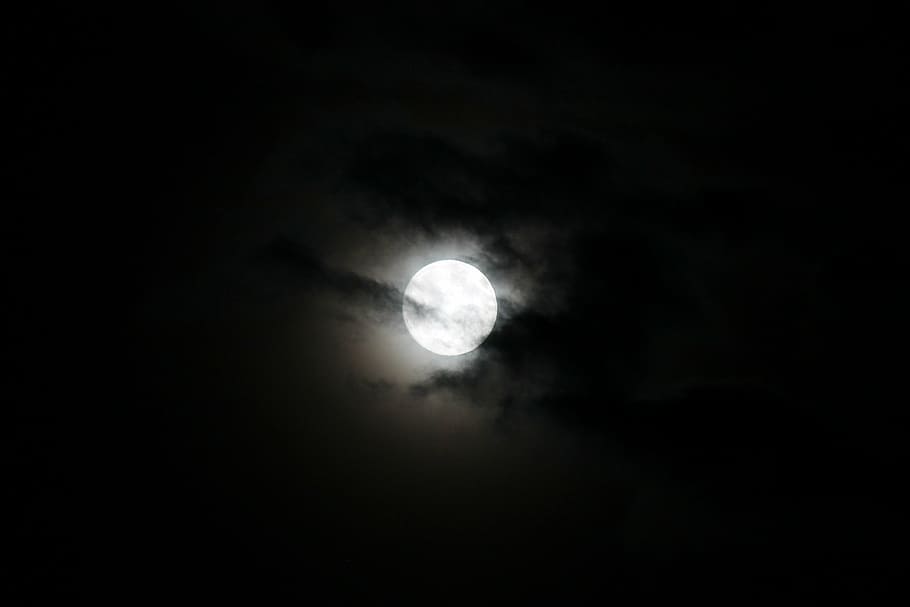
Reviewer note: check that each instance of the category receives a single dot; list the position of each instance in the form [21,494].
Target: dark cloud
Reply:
[378,385]
[303,269]
[306,270]
[435,185]
[312,272]
[621,296]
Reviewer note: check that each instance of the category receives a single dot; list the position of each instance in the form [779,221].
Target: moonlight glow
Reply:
[449,307]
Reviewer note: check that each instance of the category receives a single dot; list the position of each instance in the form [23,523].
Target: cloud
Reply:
[309,271]
[607,270]
[614,302]
[435,185]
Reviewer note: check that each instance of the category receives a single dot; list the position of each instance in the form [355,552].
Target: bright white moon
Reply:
[449,307]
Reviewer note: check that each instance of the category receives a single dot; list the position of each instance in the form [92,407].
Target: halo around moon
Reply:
[449,307]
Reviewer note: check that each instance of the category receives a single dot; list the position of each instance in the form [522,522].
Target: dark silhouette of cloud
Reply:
[312,272]
[435,186]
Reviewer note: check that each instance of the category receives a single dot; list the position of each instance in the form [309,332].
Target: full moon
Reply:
[449,307]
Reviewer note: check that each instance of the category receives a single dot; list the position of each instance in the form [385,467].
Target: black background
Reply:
[139,470]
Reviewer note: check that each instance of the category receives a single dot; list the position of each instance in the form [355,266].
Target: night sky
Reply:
[695,386]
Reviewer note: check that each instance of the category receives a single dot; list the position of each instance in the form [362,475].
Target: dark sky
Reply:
[695,383]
